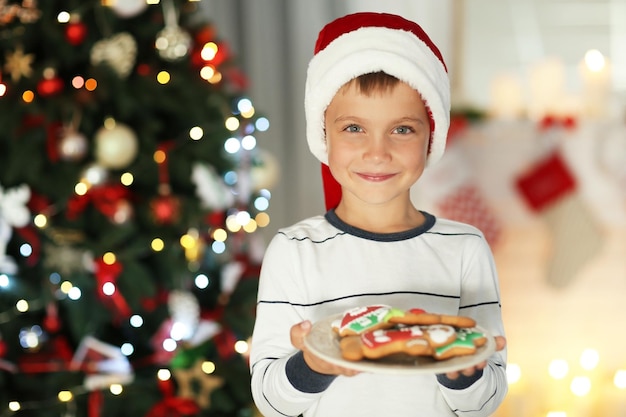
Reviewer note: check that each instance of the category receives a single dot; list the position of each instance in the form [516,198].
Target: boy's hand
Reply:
[500,344]
[297,334]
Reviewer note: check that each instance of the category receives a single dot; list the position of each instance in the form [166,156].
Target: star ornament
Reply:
[19,64]
[195,384]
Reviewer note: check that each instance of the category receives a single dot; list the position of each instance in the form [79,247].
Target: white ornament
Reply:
[173,43]
[185,312]
[13,213]
[73,146]
[118,52]
[128,8]
[116,147]
[210,188]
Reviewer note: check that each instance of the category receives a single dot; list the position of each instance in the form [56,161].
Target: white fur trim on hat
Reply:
[371,49]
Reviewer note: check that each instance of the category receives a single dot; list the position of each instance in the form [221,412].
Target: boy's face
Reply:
[377,143]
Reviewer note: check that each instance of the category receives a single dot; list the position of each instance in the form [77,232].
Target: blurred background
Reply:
[150,149]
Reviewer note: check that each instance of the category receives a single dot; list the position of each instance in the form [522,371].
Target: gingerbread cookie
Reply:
[465,343]
[376,331]
[419,316]
[361,319]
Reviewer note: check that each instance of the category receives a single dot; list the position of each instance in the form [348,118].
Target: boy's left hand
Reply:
[500,344]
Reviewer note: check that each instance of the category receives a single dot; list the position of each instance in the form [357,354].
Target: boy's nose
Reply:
[377,150]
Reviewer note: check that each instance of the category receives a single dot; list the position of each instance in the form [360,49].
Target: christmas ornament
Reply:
[165,209]
[75,32]
[65,259]
[195,384]
[116,146]
[50,85]
[213,193]
[128,8]
[19,64]
[72,145]
[185,313]
[118,52]
[104,364]
[172,42]
[13,213]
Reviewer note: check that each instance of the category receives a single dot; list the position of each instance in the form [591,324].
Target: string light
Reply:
[163,77]
[196,133]
[157,244]
[558,368]
[513,373]
[589,359]
[580,386]
[594,60]
[209,50]
[28,96]
[201,281]
[208,367]
[620,379]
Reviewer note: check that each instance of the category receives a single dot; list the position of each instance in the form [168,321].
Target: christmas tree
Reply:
[130,190]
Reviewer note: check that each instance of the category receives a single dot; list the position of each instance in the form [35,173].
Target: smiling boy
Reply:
[377,106]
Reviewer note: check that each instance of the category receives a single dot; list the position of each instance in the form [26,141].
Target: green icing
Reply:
[393,312]
[464,338]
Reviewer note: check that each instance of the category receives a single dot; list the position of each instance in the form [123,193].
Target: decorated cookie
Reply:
[373,332]
[361,319]
[383,342]
[421,317]
[465,343]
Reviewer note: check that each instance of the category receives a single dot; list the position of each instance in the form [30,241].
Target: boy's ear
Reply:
[332,189]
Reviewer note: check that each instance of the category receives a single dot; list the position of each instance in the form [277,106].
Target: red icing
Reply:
[417,311]
[350,316]
[382,337]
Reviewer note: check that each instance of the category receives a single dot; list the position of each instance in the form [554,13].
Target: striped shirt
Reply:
[322,266]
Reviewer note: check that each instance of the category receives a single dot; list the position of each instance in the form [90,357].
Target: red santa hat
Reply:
[362,43]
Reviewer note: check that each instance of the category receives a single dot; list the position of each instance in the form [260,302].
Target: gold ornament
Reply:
[118,52]
[172,42]
[116,146]
[19,64]
[196,384]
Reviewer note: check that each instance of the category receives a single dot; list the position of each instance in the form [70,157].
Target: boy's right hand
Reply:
[297,334]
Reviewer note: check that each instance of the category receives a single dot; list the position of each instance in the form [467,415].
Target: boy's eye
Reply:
[403,130]
[352,128]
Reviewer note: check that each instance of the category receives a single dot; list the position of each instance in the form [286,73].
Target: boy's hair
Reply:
[370,43]
[373,82]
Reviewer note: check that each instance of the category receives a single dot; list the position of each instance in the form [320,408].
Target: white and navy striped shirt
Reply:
[322,266]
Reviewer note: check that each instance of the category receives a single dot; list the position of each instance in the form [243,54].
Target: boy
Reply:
[377,108]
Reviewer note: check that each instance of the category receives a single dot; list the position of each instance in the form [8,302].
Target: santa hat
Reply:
[363,43]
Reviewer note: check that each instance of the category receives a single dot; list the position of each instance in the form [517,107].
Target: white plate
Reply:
[324,342]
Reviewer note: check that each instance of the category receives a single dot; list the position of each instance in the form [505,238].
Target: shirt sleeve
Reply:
[480,299]
[281,382]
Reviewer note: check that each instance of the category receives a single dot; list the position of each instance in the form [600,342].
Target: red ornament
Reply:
[204,35]
[50,86]
[75,33]
[165,209]
[3,348]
